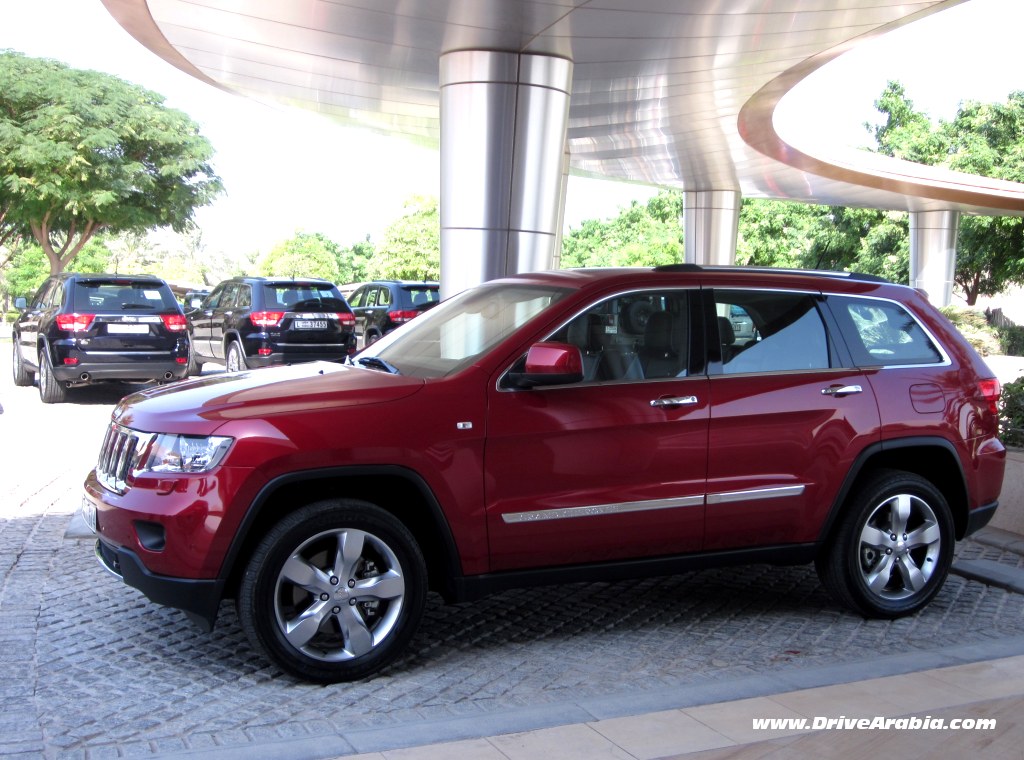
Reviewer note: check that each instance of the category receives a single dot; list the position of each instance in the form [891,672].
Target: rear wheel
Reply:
[892,551]
[22,376]
[51,390]
[195,367]
[334,591]
[235,361]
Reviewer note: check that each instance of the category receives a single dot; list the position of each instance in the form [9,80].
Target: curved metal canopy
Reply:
[678,93]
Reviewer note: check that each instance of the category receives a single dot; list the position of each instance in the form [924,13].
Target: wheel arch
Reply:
[399,491]
[932,458]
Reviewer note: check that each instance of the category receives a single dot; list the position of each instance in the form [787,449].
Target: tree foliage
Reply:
[29,266]
[641,235]
[985,139]
[83,152]
[411,246]
[303,255]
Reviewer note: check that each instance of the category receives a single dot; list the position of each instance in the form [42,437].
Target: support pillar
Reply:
[504,118]
[710,225]
[933,253]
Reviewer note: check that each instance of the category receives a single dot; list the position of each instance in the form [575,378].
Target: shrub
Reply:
[975,328]
[1011,340]
[1011,414]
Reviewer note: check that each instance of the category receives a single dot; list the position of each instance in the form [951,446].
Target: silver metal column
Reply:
[710,223]
[503,125]
[933,253]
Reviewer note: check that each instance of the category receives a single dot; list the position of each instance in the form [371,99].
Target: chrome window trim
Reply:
[598,510]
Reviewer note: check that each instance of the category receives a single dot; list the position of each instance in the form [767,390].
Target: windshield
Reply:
[453,334]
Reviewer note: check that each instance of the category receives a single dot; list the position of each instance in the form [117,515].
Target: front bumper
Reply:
[198,599]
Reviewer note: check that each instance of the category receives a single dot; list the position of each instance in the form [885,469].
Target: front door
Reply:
[611,467]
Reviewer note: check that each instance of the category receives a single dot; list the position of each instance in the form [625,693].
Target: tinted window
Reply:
[303,296]
[883,333]
[356,299]
[122,295]
[787,332]
[417,295]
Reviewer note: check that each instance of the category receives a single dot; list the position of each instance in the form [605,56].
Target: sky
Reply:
[287,171]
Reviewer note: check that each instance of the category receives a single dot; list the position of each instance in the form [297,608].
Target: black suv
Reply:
[250,322]
[87,328]
[383,305]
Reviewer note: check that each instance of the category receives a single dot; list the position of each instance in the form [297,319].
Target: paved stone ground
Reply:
[91,669]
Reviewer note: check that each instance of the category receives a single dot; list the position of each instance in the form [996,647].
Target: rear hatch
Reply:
[306,314]
[115,317]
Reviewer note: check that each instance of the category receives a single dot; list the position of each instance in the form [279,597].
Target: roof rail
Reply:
[861,276]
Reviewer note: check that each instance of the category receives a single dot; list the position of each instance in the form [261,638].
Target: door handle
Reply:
[670,401]
[841,390]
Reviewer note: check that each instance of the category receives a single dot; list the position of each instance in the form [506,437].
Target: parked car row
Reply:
[81,329]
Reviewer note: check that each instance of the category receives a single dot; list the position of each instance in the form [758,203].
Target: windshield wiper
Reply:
[375,362]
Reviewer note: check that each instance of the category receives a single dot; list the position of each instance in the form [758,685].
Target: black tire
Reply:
[234,358]
[334,591]
[371,338]
[51,390]
[22,376]
[892,550]
[195,367]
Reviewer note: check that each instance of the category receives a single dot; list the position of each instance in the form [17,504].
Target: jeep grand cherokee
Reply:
[559,426]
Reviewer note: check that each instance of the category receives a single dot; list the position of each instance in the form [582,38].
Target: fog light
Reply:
[265,352]
[71,361]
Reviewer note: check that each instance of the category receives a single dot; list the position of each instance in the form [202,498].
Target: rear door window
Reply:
[770,331]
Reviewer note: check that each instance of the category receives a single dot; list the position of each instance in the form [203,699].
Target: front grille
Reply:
[119,456]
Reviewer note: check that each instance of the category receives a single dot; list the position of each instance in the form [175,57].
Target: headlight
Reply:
[186,453]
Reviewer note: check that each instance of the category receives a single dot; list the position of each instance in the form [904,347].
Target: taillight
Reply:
[266,318]
[346,318]
[175,322]
[75,322]
[402,316]
[989,391]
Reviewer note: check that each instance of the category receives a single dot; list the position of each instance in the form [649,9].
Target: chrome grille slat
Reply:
[119,456]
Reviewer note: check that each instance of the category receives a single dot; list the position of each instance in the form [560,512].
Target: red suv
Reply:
[559,426]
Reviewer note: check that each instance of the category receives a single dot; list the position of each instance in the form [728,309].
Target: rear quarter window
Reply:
[883,333]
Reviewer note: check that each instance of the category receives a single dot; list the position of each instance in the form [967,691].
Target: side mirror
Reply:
[548,364]
[20,303]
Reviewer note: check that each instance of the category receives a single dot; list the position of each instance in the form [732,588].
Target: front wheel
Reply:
[334,591]
[22,377]
[892,551]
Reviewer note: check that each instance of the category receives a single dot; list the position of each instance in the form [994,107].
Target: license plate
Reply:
[116,329]
[310,324]
[89,513]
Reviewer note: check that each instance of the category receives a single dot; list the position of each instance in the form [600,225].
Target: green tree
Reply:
[354,261]
[985,139]
[648,234]
[29,266]
[411,248]
[303,255]
[83,152]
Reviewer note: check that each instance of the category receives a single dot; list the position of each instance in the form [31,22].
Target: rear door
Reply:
[788,415]
[201,322]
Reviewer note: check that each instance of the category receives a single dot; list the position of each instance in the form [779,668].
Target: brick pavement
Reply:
[93,670]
